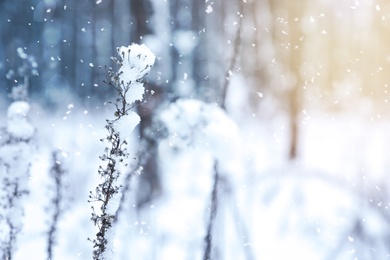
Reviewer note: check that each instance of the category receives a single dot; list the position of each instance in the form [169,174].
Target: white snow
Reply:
[18,124]
[197,135]
[137,61]
[18,109]
[282,205]
[209,9]
[193,122]
[21,53]
[126,124]
[135,93]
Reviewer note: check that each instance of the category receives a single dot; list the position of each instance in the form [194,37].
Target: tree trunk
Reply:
[295,15]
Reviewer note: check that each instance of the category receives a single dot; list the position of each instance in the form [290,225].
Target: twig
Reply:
[233,60]
[57,172]
[213,212]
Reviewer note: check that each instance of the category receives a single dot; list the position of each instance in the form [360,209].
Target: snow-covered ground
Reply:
[330,203]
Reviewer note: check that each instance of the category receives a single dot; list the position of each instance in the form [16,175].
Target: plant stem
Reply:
[213,212]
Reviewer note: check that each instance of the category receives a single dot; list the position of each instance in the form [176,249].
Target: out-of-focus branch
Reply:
[234,57]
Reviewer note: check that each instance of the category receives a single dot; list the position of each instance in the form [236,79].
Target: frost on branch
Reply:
[133,64]
[57,172]
[15,160]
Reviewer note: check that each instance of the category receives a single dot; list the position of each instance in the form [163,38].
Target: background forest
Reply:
[263,129]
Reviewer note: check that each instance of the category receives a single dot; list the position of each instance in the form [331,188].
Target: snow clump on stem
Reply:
[18,125]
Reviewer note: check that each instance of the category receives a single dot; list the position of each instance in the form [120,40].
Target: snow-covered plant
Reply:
[28,68]
[15,160]
[15,156]
[134,62]
[207,140]
[57,172]
[18,125]
[190,122]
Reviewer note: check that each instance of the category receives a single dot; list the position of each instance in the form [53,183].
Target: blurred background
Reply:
[305,82]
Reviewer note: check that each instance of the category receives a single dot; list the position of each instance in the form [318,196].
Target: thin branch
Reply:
[57,172]
[213,212]
[233,60]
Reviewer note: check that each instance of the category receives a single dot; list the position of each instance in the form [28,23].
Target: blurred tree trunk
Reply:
[142,11]
[199,56]
[257,56]
[288,41]
[68,44]
[295,15]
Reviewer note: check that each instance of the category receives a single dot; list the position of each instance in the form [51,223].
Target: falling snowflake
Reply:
[209,9]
